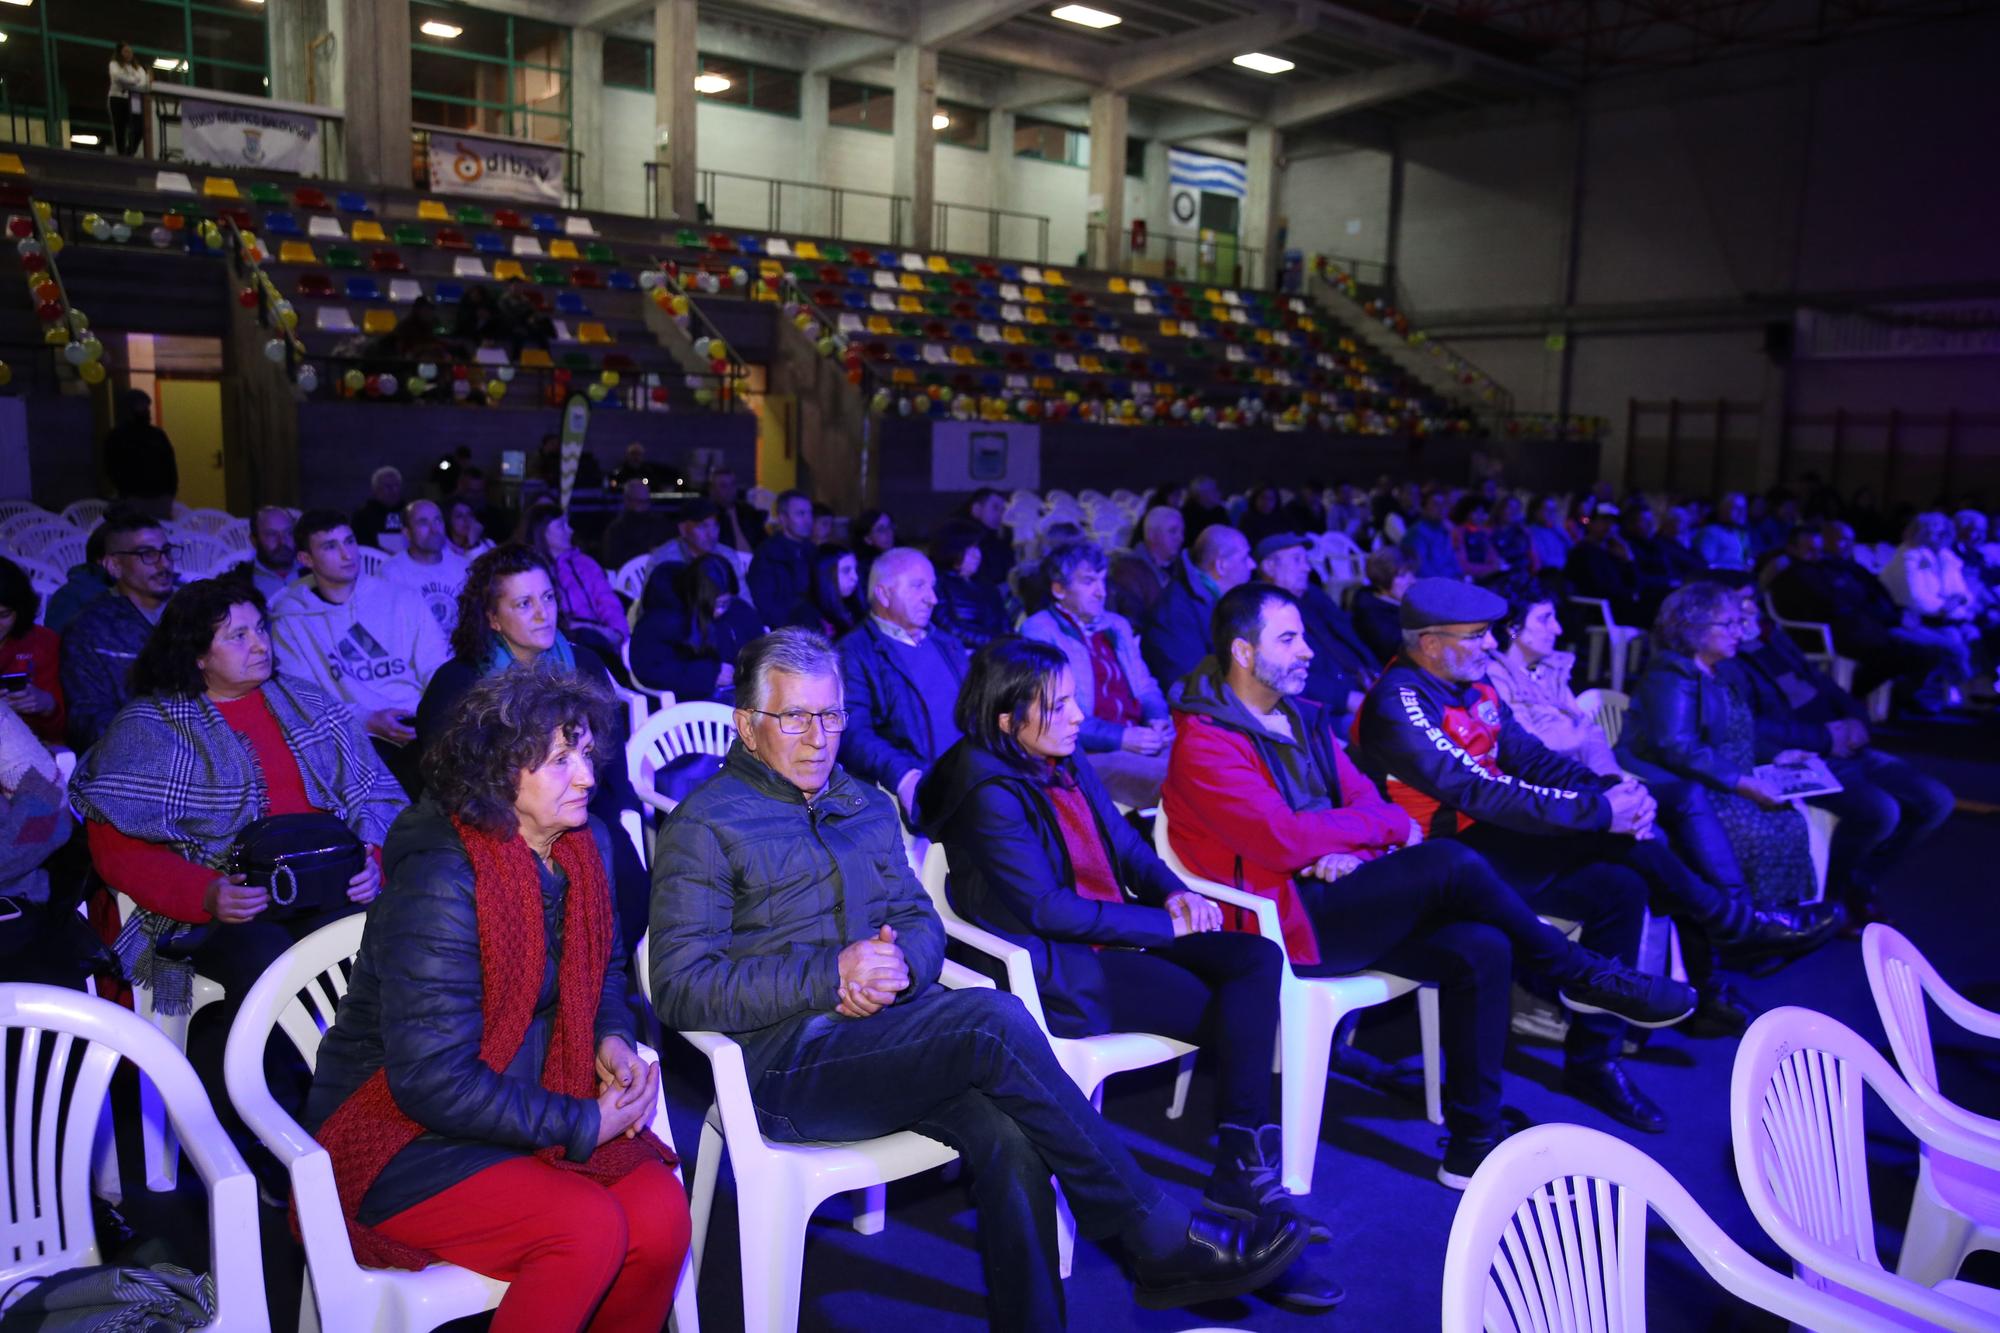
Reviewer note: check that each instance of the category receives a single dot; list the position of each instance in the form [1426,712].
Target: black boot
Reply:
[1753,935]
[1305,1287]
[1721,1012]
[1611,1090]
[1248,1178]
[1219,1258]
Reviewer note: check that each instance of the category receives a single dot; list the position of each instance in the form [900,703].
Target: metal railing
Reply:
[1466,375]
[1365,272]
[786,207]
[1003,233]
[1217,258]
[727,392]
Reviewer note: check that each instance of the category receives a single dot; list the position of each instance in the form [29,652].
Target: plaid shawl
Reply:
[170,770]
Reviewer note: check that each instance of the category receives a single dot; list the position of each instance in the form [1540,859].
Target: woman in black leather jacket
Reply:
[1689,719]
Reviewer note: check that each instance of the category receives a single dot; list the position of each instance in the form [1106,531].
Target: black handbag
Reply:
[303,861]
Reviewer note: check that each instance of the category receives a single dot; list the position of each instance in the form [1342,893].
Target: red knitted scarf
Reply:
[369,1128]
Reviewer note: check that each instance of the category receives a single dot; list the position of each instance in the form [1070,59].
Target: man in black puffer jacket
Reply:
[785,915]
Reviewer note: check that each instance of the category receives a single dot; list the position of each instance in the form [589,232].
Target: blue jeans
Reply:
[970,1069]
[1888,806]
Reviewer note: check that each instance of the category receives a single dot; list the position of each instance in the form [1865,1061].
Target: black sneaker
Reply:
[1464,1152]
[1640,998]
[1248,1180]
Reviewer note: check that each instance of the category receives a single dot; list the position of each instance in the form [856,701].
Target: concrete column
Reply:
[810,211]
[586,111]
[916,141]
[1000,170]
[674,67]
[1106,205]
[375,45]
[300,72]
[1260,203]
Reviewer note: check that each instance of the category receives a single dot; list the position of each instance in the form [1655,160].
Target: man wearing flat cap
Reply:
[1438,740]
[1342,666]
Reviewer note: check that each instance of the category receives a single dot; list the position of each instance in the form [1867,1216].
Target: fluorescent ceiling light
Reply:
[940,121]
[167,63]
[443,31]
[89,140]
[1085,15]
[3,37]
[22,3]
[1264,64]
[711,84]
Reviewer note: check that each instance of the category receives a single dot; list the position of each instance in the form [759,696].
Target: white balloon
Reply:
[120,232]
[426,370]
[701,346]
[274,350]
[75,354]
[308,378]
[649,279]
[505,374]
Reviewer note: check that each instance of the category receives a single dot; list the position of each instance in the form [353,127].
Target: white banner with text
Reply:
[495,168]
[223,134]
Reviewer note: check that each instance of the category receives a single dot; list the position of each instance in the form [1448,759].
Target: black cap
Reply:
[1276,542]
[1449,602]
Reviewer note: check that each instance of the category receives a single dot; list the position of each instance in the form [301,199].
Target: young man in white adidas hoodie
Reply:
[370,643]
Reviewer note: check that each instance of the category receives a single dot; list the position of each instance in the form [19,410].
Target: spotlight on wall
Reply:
[1263,64]
[711,84]
[940,121]
[170,65]
[87,140]
[1085,15]
[441,30]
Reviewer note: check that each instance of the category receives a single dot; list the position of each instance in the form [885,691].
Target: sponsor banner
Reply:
[966,455]
[495,168]
[225,134]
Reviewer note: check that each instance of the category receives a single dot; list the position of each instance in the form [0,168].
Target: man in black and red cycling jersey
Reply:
[1434,735]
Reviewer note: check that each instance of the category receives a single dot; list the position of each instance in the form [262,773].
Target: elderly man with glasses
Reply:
[785,914]
[103,642]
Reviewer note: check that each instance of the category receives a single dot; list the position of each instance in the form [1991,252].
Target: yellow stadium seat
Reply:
[961,356]
[1212,296]
[936,264]
[378,321]
[430,210]
[297,252]
[909,305]
[1119,287]
[878,324]
[806,250]
[1037,315]
[903,376]
[503,269]
[593,331]
[1033,294]
[1012,334]
[1053,278]
[912,283]
[536,358]
[10,165]
[770,268]
[562,249]
[1169,329]
[1131,344]
[220,187]
[367,229]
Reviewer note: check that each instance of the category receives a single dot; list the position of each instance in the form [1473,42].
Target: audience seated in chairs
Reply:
[1511,541]
[480,1092]
[35,822]
[1261,795]
[86,580]
[1378,608]
[508,617]
[1127,727]
[1202,508]
[1660,561]
[1434,733]
[1043,858]
[698,532]
[590,607]
[466,529]
[1472,538]
[637,527]
[1548,536]
[873,534]
[1429,543]
[30,658]
[1724,543]
[1175,638]
[369,643]
[781,574]
[1602,565]
[693,621]
[836,591]
[105,639]
[1342,666]
[857,939]
[274,558]
[901,677]
[1139,578]
[1927,578]
[427,565]
[379,520]
[1886,806]
[1688,718]
[969,608]
[213,742]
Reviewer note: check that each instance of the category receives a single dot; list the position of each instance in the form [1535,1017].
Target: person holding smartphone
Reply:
[30,658]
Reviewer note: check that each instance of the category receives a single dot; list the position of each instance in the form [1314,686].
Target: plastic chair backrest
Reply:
[1899,977]
[1608,707]
[695,727]
[47,1227]
[631,576]
[1551,1236]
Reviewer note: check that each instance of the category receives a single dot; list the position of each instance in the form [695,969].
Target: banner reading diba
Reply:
[495,168]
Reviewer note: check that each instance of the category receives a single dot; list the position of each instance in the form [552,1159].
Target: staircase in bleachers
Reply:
[1370,312]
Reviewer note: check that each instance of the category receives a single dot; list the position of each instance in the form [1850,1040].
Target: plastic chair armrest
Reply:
[1020,967]
[1265,910]
[957,976]
[1964,1012]
[732,1086]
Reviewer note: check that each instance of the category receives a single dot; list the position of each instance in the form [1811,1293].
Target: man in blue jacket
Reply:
[785,915]
[781,573]
[1175,637]
[103,642]
[1428,542]
[902,678]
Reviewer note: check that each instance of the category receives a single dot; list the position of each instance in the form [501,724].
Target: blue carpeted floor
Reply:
[1374,1182]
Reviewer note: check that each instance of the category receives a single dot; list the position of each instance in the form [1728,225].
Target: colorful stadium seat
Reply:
[563,249]
[353,201]
[333,319]
[404,291]
[465,266]
[508,270]
[343,256]
[296,252]
[325,226]
[536,358]
[378,321]
[545,223]
[409,233]
[472,215]
[569,303]
[368,230]
[487,243]
[597,252]
[548,275]
[618,280]
[587,278]
[430,210]
[527,247]
[220,187]
[448,293]
[363,289]
[315,285]
[508,218]
[451,238]
[387,261]
[280,224]
[173,182]
[307,196]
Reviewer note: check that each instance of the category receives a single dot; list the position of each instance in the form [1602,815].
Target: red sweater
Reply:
[161,880]
[38,652]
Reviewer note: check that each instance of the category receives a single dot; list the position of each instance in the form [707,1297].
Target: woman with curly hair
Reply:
[481,1091]
[509,616]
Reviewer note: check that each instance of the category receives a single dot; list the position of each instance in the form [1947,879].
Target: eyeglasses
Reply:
[796,721]
[152,555]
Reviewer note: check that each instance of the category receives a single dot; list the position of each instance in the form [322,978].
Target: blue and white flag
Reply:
[1198,171]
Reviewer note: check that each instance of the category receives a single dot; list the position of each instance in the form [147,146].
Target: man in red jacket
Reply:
[1259,795]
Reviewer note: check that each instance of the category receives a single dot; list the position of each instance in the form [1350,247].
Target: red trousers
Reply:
[576,1255]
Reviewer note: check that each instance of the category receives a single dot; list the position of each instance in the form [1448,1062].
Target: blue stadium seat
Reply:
[1010,273]
[487,243]
[448,293]
[618,280]
[545,223]
[750,245]
[353,201]
[989,290]
[280,224]
[854,301]
[569,303]
[363,289]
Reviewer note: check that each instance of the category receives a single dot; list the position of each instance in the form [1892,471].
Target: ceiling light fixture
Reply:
[1264,64]
[87,140]
[1086,16]
[22,3]
[440,30]
[940,121]
[169,64]
[711,84]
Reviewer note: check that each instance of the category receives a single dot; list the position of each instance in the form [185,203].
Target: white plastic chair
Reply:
[20,521]
[1608,707]
[661,699]
[202,556]
[48,1226]
[13,509]
[1625,641]
[210,521]
[631,576]
[1551,1238]
[1941,1230]
[1309,1009]
[298,995]
[1087,1060]
[156,1131]
[85,513]
[778,1185]
[694,727]
[1795,1115]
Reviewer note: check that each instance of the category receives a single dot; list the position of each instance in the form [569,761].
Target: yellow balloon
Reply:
[43,211]
[6,373]
[494,389]
[609,379]
[596,393]
[133,217]
[288,318]
[92,372]
[52,243]
[55,335]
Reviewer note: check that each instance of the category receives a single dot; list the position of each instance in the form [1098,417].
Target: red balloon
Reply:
[659,393]
[719,366]
[46,290]
[562,377]
[34,263]
[854,376]
[20,228]
[49,311]
[459,373]
[247,298]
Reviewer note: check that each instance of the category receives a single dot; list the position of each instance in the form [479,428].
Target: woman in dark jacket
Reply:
[690,629]
[507,617]
[836,591]
[1378,608]
[973,610]
[480,1091]
[1041,856]
[1688,719]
